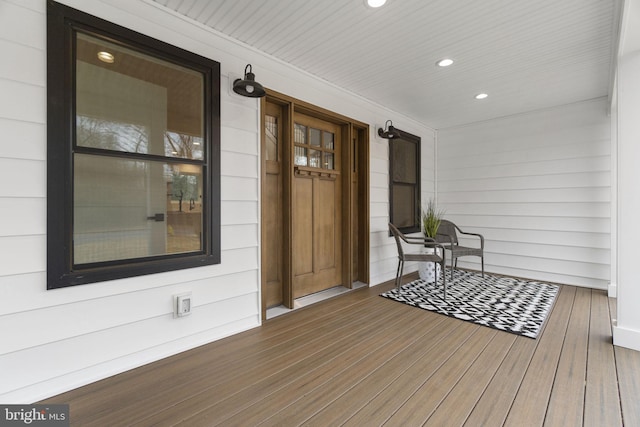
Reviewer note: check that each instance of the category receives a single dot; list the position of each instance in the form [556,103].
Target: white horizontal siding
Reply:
[538,187]
[23,140]
[28,101]
[84,351]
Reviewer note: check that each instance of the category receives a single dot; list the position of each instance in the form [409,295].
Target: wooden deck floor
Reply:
[362,360]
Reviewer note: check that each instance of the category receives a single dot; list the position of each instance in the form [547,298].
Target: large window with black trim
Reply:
[404,182]
[133,141]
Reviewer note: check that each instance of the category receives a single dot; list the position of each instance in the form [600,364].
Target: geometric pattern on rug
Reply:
[505,303]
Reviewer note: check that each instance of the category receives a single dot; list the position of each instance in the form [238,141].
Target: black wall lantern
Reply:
[248,86]
[389,132]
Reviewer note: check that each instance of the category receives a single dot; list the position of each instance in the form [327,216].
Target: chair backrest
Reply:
[397,235]
[447,232]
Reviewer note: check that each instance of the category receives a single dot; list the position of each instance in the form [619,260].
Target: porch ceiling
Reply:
[526,55]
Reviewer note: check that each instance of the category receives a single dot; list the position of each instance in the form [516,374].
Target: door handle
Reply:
[159,217]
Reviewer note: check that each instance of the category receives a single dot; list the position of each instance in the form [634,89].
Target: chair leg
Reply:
[456,262]
[399,273]
[444,281]
[482,262]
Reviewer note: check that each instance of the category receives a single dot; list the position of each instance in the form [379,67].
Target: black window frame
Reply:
[416,140]
[62,24]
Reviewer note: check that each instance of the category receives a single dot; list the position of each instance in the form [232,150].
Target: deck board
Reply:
[359,359]
[628,367]
[602,399]
[459,403]
[411,338]
[397,391]
[421,404]
[566,405]
[530,404]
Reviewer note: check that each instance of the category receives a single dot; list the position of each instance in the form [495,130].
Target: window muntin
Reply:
[313,147]
[136,140]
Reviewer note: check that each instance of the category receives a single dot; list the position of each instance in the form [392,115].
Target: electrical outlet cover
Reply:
[182,305]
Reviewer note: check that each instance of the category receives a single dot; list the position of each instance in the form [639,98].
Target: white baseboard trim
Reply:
[628,338]
[612,290]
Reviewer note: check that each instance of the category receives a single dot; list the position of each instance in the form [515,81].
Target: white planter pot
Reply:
[427,270]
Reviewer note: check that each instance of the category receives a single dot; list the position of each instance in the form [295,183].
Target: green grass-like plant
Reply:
[431,219]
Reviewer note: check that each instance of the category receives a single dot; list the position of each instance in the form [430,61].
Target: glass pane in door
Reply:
[315,137]
[300,156]
[271,134]
[300,134]
[328,161]
[315,157]
[328,140]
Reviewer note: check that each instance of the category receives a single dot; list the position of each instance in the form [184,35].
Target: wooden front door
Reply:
[315,201]
[316,208]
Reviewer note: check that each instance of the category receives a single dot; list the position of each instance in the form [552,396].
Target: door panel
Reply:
[272,223]
[302,226]
[326,226]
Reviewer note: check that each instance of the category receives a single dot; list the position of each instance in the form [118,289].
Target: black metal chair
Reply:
[448,237]
[437,257]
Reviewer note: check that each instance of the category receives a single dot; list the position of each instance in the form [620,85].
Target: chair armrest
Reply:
[434,245]
[474,234]
[414,240]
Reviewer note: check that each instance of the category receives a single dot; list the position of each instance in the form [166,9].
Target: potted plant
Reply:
[431,217]
[431,220]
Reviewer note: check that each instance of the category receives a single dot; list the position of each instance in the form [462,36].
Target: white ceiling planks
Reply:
[526,55]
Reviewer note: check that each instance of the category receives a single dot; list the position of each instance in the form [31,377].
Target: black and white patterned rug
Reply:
[505,303]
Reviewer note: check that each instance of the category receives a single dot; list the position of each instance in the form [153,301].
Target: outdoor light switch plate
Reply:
[182,304]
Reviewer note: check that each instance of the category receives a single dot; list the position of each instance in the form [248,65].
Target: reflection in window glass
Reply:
[137,91]
[315,137]
[111,135]
[320,147]
[300,156]
[328,161]
[328,140]
[126,208]
[315,157]
[182,145]
[300,134]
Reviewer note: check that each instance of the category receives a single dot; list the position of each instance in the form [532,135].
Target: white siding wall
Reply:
[52,341]
[537,186]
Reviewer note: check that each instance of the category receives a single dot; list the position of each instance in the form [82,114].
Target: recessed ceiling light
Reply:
[106,57]
[375,3]
[481,96]
[445,62]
